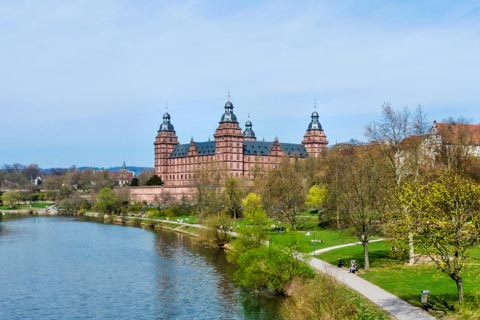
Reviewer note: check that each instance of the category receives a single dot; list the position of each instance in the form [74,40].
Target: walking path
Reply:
[397,308]
[342,246]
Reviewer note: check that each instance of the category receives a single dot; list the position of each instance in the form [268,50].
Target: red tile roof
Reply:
[459,133]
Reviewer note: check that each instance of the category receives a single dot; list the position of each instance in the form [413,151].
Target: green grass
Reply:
[407,282]
[328,237]
[37,205]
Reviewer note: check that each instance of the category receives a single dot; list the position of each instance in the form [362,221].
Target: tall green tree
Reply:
[447,221]
[11,198]
[315,197]
[154,180]
[253,210]
[233,194]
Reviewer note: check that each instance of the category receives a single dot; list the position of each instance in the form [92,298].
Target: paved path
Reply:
[397,308]
[342,246]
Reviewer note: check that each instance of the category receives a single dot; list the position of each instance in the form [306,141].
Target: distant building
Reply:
[122,177]
[239,152]
[449,135]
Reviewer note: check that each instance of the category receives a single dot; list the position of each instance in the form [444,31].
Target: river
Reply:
[65,268]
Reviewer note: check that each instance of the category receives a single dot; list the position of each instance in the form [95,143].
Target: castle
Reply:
[237,152]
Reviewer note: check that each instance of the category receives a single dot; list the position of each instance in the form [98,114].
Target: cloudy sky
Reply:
[85,82]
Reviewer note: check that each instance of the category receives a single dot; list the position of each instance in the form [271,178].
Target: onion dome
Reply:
[248,132]
[315,124]
[166,125]
[228,116]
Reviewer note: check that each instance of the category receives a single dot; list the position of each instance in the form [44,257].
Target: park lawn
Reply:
[38,205]
[328,238]
[41,205]
[407,282]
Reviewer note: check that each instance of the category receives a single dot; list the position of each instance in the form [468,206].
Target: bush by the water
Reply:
[269,269]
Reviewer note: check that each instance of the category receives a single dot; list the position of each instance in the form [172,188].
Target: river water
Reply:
[63,268]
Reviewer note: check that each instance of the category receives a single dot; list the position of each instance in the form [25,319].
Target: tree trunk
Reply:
[365,250]
[338,218]
[411,252]
[458,279]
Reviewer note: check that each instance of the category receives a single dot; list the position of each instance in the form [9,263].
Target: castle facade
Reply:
[239,153]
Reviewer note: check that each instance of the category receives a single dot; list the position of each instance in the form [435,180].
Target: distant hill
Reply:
[134,169]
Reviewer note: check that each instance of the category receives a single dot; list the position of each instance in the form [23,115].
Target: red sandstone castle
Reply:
[236,151]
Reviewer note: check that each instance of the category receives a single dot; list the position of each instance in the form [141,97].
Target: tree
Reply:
[269,268]
[233,195]
[389,133]
[11,198]
[315,197]
[253,210]
[447,219]
[252,235]
[361,188]
[284,191]
[207,181]
[144,175]
[402,152]
[107,201]
[31,172]
[74,204]
[154,181]
[134,182]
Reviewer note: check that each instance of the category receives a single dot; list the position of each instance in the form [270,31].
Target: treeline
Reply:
[73,189]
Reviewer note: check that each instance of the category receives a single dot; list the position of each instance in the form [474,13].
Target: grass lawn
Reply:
[328,237]
[407,282]
[38,205]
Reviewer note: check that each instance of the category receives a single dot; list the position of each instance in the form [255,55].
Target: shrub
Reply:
[217,228]
[270,269]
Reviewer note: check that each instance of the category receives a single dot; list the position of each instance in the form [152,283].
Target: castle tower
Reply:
[315,140]
[248,133]
[229,141]
[165,142]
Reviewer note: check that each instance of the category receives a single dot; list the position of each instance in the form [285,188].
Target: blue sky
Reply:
[86,82]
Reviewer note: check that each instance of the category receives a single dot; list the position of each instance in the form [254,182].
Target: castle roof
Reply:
[315,124]
[228,116]
[203,148]
[166,125]
[263,148]
[248,132]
